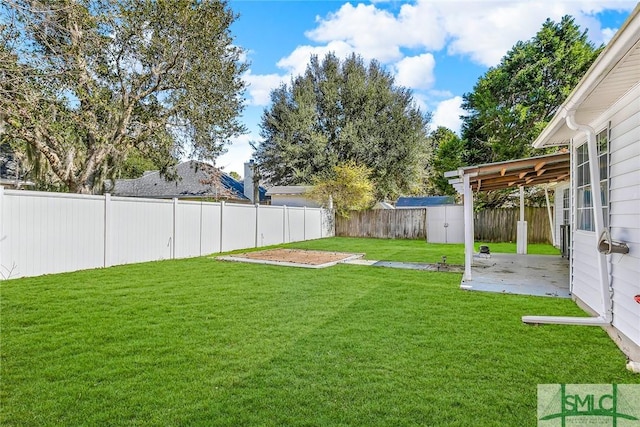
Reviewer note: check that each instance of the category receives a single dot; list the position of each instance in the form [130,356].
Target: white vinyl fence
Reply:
[43,233]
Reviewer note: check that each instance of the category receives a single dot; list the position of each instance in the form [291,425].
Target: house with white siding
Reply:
[600,124]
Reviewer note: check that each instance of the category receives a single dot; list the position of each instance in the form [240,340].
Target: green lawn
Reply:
[415,250]
[205,342]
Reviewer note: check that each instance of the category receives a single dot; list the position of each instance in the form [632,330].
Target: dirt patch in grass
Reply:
[295,256]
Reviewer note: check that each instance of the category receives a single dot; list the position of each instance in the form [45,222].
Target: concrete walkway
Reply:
[542,275]
[408,265]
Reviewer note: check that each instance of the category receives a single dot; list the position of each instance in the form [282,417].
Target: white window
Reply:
[566,212]
[584,201]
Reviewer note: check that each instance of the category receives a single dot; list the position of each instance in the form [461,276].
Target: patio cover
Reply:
[519,173]
[515,173]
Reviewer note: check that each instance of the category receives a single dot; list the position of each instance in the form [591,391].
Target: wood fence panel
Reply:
[500,225]
[384,224]
[491,225]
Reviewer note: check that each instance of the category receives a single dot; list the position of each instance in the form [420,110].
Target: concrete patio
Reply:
[540,275]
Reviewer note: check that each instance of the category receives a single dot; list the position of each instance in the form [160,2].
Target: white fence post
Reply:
[107,230]
[1,228]
[257,223]
[221,223]
[304,223]
[201,219]
[175,219]
[284,224]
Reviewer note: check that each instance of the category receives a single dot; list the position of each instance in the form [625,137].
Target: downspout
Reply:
[605,317]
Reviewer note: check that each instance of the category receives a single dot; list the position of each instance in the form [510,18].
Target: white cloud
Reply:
[360,28]
[296,63]
[482,30]
[608,33]
[448,114]
[260,87]
[416,72]
[441,93]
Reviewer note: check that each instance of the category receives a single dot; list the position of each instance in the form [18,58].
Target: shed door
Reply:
[436,219]
[455,220]
[445,224]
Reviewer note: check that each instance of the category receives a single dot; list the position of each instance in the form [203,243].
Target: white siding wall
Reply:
[293,200]
[584,269]
[42,233]
[624,220]
[625,216]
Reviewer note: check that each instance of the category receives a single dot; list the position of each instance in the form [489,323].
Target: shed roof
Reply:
[426,201]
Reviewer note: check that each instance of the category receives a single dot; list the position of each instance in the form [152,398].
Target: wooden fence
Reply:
[500,225]
[384,224]
[492,225]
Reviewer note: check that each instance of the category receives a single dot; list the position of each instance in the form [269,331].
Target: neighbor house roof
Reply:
[420,202]
[191,183]
[613,74]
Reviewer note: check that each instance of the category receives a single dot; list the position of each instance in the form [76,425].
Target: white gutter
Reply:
[605,317]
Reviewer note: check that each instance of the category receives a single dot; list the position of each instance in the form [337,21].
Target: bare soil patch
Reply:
[297,256]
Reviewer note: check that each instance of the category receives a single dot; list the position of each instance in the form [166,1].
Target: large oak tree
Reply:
[338,112]
[513,101]
[86,83]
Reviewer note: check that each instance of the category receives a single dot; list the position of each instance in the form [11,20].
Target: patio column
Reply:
[521,238]
[468,226]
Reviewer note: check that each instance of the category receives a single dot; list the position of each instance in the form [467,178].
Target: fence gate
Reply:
[445,224]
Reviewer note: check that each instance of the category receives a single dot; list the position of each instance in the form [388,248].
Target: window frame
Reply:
[584,212]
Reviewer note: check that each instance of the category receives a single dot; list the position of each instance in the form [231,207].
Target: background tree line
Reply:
[96,89]
[348,111]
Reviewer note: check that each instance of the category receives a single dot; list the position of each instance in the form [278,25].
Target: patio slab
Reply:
[541,275]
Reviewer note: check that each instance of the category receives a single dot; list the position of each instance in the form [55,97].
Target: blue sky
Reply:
[438,48]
